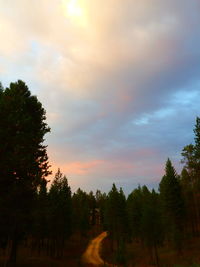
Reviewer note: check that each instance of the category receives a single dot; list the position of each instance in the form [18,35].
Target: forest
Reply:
[49,225]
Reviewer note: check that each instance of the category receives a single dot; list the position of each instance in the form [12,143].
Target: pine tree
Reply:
[60,217]
[116,221]
[197,140]
[190,201]
[23,158]
[39,223]
[92,206]
[172,205]
[101,205]
[191,160]
[151,223]
[81,212]
[134,208]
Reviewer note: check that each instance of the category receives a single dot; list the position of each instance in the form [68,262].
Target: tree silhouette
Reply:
[116,221]
[134,207]
[191,160]
[23,158]
[172,204]
[81,212]
[151,224]
[187,185]
[60,216]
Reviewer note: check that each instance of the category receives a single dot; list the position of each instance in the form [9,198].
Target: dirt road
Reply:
[91,255]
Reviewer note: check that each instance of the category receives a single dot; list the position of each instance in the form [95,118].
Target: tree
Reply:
[197,139]
[172,205]
[40,218]
[116,221]
[134,207]
[23,157]
[151,224]
[145,219]
[60,217]
[101,205]
[187,186]
[191,159]
[81,212]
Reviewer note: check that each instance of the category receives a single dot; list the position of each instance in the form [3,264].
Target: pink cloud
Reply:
[78,167]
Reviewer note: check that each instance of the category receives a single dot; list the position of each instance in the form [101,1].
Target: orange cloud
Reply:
[78,167]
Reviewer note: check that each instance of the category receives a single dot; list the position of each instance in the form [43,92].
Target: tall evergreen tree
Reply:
[23,158]
[60,217]
[81,212]
[191,159]
[116,221]
[92,206]
[101,205]
[197,140]
[134,207]
[172,205]
[190,201]
[40,229]
[151,223]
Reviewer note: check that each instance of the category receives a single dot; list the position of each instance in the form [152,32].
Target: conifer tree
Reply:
[134,208]
[23,158]
[116,216]
[117,222]
[60,207]
[172,205]
[197,140]
[151,223]
[101,205]
[81,212]
[40,229]
[191,160]
[92,206]
[190,201]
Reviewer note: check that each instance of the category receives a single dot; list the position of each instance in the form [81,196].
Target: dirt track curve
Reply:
[92,253]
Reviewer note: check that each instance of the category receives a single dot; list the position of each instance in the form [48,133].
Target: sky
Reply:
[119,80]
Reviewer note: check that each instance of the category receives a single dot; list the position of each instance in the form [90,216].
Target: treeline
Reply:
[44,220]
[30,215]
[57,214]
[169,217]
[153,219]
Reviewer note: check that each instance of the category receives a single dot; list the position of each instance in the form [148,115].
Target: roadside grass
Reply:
[139,256]
[72,256]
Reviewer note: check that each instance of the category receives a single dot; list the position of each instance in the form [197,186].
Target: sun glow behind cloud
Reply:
[75,11]
[114,79]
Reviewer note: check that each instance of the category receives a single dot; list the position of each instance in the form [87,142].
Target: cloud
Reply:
[121,79]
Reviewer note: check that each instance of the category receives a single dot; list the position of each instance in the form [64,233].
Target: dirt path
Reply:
[91,255]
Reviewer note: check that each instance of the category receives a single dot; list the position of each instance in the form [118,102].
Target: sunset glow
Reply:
[119,81]
[75,11]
